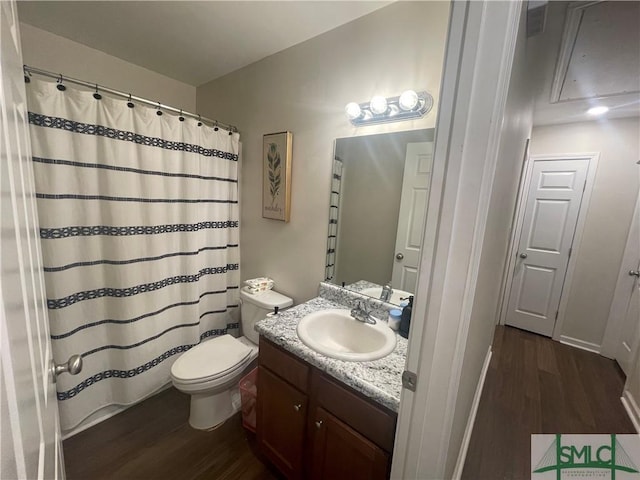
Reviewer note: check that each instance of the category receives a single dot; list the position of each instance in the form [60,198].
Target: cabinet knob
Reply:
[297,407]
[319,424]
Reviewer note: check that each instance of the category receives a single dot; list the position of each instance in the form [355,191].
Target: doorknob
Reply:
[399,256]
[73,366]
[523,255]
[634,273]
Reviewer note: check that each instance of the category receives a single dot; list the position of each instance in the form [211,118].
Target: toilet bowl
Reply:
[210,371]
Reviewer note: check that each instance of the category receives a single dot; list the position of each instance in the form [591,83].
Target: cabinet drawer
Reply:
[284,364]
[371,421]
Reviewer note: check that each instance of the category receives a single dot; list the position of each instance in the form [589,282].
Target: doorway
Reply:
[550,215]
[622,335]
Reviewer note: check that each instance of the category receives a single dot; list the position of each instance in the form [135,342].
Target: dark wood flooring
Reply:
[536,385]
[153,440]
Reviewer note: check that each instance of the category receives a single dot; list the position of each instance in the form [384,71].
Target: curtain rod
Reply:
[94,86]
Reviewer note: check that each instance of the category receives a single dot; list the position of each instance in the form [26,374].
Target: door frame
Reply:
[481,42]
[593,158]
[619,303]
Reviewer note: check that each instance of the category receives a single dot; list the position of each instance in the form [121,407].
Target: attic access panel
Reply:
[600,52]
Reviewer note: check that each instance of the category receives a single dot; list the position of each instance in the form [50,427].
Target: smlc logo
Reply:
[585,456]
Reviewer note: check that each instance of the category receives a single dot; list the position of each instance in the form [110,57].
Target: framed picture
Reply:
[276,175]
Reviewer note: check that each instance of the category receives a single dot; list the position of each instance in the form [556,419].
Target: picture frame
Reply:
[276,175]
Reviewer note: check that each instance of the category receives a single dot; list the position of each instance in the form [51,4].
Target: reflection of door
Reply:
[413,210]
[623,334]
[551,209]
[30,435]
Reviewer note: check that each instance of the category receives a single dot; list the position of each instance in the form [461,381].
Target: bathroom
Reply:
[396,47]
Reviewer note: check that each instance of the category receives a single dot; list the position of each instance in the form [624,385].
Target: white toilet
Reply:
[210,371]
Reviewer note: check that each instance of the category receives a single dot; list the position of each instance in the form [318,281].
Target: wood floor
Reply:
[536,385]
[153,440]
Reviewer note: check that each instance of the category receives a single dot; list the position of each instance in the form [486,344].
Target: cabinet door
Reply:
[341,452]
[281,418]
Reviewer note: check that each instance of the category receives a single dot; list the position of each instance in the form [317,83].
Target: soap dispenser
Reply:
[405,321]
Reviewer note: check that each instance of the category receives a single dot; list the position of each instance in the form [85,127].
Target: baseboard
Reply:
[581,344]
[630,405]
[462,456]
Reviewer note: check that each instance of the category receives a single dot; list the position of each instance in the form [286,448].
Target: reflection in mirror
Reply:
[379,195]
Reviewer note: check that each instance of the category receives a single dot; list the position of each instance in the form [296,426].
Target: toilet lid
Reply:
[210,359]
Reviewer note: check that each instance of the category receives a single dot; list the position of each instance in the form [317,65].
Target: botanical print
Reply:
[276,175]
[273,161]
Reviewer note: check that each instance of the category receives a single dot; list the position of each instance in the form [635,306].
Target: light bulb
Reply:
[408,100]
[353,110]
[378,105]
[598,110]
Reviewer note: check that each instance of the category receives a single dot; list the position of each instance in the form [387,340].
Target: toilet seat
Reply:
[211,360]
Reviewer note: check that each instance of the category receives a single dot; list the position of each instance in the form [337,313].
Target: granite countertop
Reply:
[380,380]
[361,285]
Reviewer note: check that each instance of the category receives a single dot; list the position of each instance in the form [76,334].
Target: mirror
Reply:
[379,194]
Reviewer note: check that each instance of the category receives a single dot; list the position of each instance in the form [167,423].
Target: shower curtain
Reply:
[139,227]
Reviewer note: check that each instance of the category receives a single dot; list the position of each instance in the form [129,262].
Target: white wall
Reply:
[304,89]
[608,216]
[51,52]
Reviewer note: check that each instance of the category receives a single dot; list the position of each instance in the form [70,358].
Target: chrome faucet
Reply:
[361,314]
[387,291]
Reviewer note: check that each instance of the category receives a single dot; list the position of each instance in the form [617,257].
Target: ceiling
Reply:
[194,42]
[587,56]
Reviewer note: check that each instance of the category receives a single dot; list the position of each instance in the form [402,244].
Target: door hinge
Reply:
[409,380]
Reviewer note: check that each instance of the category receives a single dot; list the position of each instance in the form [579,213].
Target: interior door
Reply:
[622,336]
[552,205]
[629,333]
[413,211]
[30,433]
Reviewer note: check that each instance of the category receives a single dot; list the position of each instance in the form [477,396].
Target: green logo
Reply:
[589,457]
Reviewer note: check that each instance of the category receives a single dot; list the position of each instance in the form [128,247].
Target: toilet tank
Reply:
[255,308]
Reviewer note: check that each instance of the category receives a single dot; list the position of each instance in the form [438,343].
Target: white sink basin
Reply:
[336,334]
[396,296]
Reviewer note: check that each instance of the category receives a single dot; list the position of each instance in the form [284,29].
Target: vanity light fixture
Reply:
[407,106]
[595,111]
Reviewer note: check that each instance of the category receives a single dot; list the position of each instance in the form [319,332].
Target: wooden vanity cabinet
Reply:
[281,414]
[310,425]
[338,451]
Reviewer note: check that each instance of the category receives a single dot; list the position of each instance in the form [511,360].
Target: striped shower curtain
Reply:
[139,226]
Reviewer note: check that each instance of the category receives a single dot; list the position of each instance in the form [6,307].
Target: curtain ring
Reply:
[199,120]
[158,111]
[96,95]
[27,75]
[181,118]
[60,86]
[130,104]
[216,128]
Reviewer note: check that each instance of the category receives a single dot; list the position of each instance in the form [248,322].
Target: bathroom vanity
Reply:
[319,417]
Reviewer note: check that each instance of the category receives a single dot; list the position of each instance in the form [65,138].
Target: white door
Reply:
[622,335]
[629,333]
[30,435]
[413,210]
[551,211]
